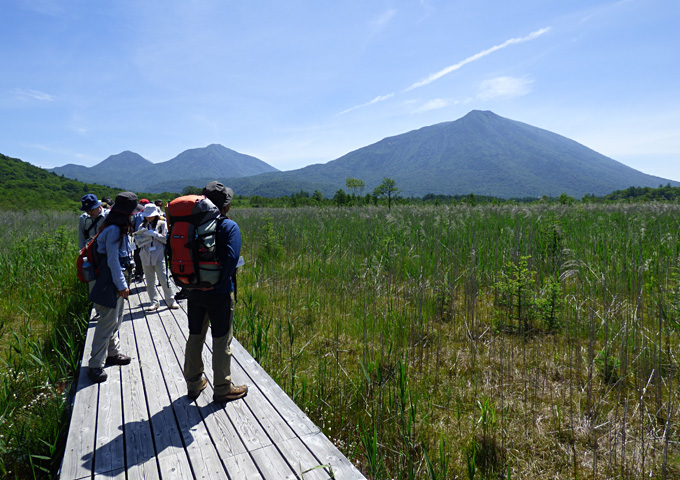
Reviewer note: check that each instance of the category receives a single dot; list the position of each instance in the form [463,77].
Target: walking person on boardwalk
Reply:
[215,307]
[152,234]
[137,220]
[111,286]
[91,218]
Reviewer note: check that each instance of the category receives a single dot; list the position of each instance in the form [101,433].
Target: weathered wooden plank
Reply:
[146,470]
[270,420]
[264,436]
[115,475]
[270,416]
[328,454]
[203,456]
[302,461]
[172,458]
[242,467]
[140,453]
[270,461]
[245,427]
[109,453]
[79,450]
[260,410]
[279,400]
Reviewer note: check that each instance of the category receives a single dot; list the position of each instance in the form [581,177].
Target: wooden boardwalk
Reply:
[139,424]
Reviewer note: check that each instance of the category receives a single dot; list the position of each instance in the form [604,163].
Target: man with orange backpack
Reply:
[214,306]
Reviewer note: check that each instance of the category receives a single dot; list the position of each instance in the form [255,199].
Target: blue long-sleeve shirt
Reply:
[228,239]
[116,249]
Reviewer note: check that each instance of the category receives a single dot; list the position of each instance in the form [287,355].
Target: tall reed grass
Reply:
[43,317]
[474,341]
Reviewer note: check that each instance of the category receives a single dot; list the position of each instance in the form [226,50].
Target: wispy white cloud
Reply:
[436,104]
[504,87]
[477,56]
[377,99]
[28,94]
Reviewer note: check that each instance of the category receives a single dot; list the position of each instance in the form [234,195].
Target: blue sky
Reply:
[299,82]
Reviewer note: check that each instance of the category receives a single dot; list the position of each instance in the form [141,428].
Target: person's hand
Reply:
[124,293]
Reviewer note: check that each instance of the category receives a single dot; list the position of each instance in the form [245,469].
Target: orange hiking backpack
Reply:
[191,249]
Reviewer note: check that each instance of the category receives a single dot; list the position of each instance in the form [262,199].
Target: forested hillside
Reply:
[26,187]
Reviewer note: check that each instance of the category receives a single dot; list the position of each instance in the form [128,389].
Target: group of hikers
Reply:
[130,238]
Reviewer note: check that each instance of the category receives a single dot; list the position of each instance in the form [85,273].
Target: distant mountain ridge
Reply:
[131,171]
[481,153]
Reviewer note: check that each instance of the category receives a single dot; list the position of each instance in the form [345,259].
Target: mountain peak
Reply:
[195,166]
[481,113]
[125,159]
[481,153]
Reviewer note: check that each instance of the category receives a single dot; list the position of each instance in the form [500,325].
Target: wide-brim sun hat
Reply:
[150,210]
[125,203]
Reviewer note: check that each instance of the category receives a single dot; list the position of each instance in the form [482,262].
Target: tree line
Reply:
[388,194]
[26,187]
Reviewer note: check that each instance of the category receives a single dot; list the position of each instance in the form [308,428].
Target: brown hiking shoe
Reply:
[193,394]
[236,392]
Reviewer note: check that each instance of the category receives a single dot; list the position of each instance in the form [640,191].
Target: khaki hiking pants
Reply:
[219,314]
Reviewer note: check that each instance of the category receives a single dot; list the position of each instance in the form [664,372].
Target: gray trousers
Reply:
[106,342]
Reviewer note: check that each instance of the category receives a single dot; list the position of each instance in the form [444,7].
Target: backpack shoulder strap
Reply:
[92,225]
[233,275]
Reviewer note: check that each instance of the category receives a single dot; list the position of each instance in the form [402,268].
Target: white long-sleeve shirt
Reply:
[154,252]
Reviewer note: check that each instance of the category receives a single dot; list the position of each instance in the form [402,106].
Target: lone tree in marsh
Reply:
[356,186]
[388,188]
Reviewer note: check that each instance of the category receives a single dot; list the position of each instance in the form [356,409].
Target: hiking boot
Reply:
[236,392]
[153,307]
[193,394]
[119,359]
[97,375]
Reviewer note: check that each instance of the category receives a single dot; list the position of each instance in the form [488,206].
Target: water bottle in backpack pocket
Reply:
[87,264]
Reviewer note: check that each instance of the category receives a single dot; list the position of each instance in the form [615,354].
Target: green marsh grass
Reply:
[429,342]
[43,317]
[466,341]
